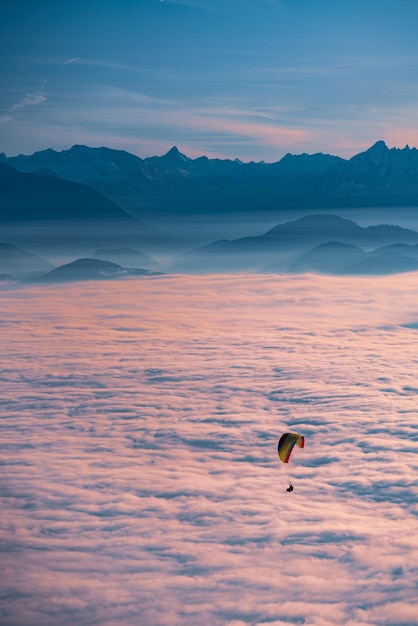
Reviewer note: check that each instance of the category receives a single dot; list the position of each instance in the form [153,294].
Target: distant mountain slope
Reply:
[383,264]
[323,226]
[282,246]
[17,262]
[377,168]
[400,248]
[26,196]
[174,182]
[327,258]
[127,257]
[344,259]
[91,269]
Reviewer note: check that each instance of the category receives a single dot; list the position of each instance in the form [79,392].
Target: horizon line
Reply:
[174,148]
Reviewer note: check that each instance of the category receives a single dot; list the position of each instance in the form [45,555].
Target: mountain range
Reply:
[176,184]
[101,196]
[325,244]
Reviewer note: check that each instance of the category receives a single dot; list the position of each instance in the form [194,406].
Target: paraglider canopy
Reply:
[287,443]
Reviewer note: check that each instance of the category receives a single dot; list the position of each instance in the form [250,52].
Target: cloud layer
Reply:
[140,479]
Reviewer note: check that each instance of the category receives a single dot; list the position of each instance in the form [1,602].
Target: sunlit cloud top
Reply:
[140,477]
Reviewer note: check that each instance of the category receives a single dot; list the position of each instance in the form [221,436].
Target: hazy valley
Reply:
[305,213]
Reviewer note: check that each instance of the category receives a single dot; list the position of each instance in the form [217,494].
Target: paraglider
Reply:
[285,447]
[287,443]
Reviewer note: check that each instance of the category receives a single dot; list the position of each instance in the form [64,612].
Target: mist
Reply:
[165,237]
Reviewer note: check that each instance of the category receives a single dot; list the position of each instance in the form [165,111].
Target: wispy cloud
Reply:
[108,64]
[73,60]
[27,100]
[225,127]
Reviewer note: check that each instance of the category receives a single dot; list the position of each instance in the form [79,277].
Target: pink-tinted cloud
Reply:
[140,479]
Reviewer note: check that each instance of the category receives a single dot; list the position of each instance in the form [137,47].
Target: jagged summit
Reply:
[380,151]
[379,145]
[377,153]
[174,154]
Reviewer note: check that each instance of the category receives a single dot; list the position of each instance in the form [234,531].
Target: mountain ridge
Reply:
[378,176]
[293,244]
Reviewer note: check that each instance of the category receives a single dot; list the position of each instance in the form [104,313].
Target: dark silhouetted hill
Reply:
[92,269]
[26,197]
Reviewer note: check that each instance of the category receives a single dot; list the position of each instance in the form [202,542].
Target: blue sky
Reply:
[252,79]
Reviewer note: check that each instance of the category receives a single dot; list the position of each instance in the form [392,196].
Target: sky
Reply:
[247,79]
[140,482]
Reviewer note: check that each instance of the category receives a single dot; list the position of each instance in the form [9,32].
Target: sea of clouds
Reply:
[140,482]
